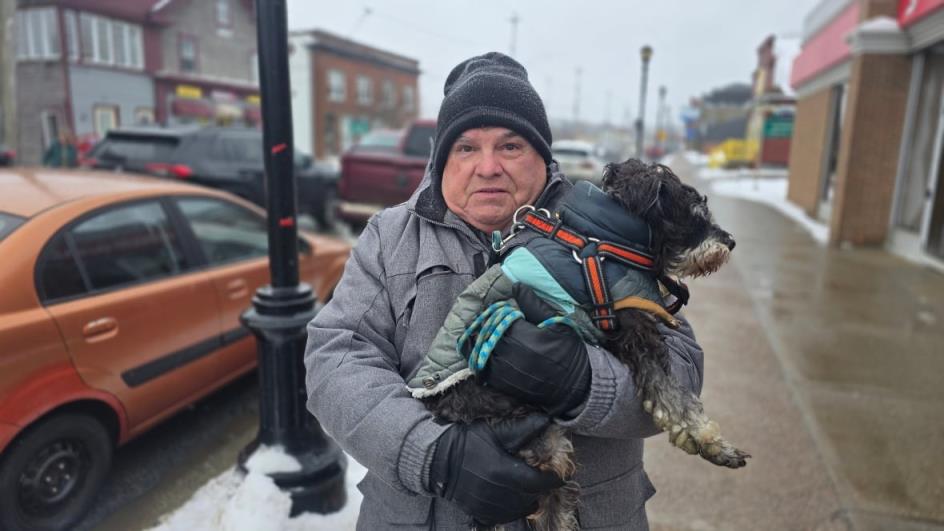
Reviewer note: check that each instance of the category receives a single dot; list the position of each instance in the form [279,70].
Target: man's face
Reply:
[490,173]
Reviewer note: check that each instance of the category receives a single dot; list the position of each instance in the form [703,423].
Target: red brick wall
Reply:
[869,149]
[396,117]
[807,150]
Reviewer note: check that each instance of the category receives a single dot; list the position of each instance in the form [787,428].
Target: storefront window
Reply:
[920,158]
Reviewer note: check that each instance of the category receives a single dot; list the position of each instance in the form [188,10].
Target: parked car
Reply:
[7,156]
[578,160]
[121,303]
[382,170]
[228,159]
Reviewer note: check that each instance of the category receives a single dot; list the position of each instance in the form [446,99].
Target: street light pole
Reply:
[646,54]
[661,119]
[281,310]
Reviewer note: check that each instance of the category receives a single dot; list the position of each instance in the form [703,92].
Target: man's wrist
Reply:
[416,456]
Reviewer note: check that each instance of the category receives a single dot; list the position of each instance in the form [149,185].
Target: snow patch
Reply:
[233,502]
[269,459]
[770,191]
[880,25]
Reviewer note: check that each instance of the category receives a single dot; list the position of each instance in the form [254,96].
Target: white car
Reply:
[578,160]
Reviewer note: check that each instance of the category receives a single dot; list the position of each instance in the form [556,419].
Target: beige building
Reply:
[867,145]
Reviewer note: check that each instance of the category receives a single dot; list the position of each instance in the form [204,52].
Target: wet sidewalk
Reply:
[828,366]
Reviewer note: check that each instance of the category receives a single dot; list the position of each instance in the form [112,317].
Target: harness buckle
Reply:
[573,252]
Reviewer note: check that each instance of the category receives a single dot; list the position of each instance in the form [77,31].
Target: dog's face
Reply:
[686,240]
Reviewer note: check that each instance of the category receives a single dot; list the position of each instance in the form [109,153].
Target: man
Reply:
[491,156]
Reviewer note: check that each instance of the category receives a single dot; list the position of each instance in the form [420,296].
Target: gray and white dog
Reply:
[684,242]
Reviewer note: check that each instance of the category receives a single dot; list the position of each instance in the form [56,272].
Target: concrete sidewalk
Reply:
[827,365]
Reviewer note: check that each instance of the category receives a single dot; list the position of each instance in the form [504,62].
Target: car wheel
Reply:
[50,475]
[327,215]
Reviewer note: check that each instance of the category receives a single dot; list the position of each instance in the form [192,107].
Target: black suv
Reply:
[225,158]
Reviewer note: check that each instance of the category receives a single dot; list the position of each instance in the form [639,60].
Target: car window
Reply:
[9,222]
[417,142]
[128,245]
[226,232]
[570,152]
[136,148]
[241,148]
[59,275]
[379,141]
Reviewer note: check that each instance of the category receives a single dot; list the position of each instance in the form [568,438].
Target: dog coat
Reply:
[555,258]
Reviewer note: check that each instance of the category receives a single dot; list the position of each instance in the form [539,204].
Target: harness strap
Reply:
[590,253]
[679,291]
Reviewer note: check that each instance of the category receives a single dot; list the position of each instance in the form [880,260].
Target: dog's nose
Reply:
[728,241]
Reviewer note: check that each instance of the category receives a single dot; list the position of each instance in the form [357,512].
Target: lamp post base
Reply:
[318,487]
[278,319]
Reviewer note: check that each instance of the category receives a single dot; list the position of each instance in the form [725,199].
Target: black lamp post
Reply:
[646,54]
[281,310]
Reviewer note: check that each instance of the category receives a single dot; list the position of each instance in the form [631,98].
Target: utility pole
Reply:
[514,33]
[281,310]
[645,54]
[660,119]
[8,128]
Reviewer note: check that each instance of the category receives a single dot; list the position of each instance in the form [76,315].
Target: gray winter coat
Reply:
[409,265]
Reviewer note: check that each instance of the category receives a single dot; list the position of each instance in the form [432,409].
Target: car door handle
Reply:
[100,329]
[236,289]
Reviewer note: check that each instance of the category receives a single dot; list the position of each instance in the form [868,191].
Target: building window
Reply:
[224,17]
[119,42]
[38,37]
[389,94]
[409,99]
[337,87]
[103,41]
[109,42]
[330,136]
[72,35]
[188,53]
[365,90]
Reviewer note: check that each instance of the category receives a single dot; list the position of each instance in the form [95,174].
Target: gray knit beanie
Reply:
[489,90]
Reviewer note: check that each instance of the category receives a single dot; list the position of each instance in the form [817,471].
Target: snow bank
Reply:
[696,158]
[773,192]
[233,502]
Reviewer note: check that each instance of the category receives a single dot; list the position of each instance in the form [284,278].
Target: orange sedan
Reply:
[119,305]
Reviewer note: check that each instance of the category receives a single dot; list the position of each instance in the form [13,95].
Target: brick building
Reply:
[867,147]
[342,89]
[90,65]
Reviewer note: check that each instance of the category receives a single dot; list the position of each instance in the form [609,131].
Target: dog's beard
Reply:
[702,260]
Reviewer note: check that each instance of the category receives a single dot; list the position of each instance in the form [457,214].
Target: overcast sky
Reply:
[699,44]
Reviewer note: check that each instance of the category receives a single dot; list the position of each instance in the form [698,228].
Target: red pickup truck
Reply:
[382,170]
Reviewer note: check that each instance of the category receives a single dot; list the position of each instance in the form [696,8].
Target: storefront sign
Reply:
[189,91]
[222,95]
[253,99]
[911,11]
[825,49]
[778,126]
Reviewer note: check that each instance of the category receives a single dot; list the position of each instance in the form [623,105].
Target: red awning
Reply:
[192,108]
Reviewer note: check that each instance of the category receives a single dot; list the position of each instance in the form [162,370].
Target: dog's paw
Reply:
[722,453]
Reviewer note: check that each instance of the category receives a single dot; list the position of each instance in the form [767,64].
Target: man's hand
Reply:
[546,367]
[474,467]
